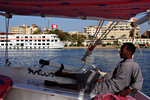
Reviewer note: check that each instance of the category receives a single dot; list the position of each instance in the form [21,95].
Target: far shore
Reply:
[98,46]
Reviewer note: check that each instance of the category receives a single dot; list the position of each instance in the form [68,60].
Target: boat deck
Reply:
[31,87]
[25,86]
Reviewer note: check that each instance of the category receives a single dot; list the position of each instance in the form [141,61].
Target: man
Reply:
[125,78]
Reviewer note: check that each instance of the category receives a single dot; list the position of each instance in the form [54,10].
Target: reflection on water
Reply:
[104,59]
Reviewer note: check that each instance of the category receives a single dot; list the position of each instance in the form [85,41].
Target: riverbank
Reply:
[98,46]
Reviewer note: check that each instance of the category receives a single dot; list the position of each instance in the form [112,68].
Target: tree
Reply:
[64,36]
[131,33]
[143,36]
[74,38]
[80,40]
[38,31]
[112,37]
[90,37]
[123,36]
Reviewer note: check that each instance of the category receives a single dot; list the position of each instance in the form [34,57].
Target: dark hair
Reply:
[130,46]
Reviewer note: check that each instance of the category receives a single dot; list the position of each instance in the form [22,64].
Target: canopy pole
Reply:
[133,38]
[142,20]
[7,63]
[91,48]
[100,24]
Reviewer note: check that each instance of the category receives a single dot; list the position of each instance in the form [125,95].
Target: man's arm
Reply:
[126,91]
[101,80]
[138,79]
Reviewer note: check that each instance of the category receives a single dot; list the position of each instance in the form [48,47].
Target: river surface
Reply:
[105,59]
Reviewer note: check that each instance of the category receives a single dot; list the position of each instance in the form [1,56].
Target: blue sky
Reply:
[65,24]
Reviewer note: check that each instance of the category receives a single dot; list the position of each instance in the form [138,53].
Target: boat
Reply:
[37,41]
[29,82]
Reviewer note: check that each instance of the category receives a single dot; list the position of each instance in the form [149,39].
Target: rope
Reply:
[95,43]
[133,38]
[98,29]
[108,30]
[91,46]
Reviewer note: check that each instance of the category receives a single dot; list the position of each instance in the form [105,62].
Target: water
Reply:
[104,59]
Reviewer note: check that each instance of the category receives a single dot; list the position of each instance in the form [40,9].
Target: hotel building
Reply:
[24,29]
[121,30]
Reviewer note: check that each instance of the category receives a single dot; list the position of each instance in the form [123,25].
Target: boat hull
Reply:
[40,41]
[29,85]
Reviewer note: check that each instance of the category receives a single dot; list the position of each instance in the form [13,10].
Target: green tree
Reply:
[64,36]
[131,33]
[90,37]
[38,31]
[143,36]
[80,39]
[112,37]
[74,37]
[123,36]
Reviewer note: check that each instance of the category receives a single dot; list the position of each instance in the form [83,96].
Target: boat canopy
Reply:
[84,9]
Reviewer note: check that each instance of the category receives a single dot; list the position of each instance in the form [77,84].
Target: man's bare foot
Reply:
[50,83]
[59,72]
[43,62]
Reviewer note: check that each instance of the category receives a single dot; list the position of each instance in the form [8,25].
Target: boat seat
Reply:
[5,85]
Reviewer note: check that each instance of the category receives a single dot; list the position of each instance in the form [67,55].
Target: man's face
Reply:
[124,52]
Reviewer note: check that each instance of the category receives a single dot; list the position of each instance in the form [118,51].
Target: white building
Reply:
[78,33]
[121,30]
[90,30]
[24,29]
[135,41]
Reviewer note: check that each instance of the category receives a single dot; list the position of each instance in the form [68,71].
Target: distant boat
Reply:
[18,41]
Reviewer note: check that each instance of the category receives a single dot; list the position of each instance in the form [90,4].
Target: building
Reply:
[46,30]
[25,29]
[140,41]
[18,30]
[78,33]
[121,30]
[90,30]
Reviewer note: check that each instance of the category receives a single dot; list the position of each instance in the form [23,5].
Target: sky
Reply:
[64,24]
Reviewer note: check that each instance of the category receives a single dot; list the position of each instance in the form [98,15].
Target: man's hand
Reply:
[126,91]
[100,80]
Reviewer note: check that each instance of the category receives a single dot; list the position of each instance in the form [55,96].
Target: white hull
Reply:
[41,41]
[24,93]
[29,86]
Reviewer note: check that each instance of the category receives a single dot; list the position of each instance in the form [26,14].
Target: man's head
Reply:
[127,50]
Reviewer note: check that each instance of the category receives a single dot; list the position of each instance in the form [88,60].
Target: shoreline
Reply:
[97,47]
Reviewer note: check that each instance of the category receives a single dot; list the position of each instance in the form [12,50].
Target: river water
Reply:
[104,59]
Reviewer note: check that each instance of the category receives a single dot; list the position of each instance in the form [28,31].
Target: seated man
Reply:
[125,78]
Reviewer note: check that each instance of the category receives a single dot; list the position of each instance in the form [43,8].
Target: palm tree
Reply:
[112,37]
[123,36]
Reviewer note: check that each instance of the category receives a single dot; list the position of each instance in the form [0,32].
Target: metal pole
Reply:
[6,50]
